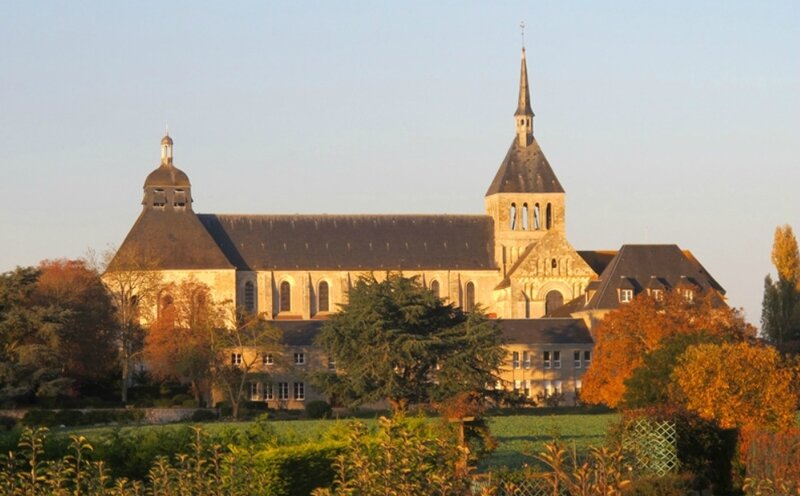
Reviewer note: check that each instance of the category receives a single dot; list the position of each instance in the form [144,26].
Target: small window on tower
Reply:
[159,198]
[524,216]
[179,200]
[537,217]
[549,217]
[512,213]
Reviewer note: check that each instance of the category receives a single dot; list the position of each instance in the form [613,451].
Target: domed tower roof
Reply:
[167,187]
[167,175]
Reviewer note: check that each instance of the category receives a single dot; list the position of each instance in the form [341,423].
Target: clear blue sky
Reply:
[666,122]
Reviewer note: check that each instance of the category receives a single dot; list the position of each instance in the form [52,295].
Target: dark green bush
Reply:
[298,470]
[36,417]
[318,409]
[7,423]
[204,416]
[668,485]
[180,399]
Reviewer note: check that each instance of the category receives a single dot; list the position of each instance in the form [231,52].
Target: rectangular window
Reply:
[267,359]
[578,385]
[625,295]
[498,385]
[515,360]
[546,359]
[254,391]
[236,358]
[283,390]
[556,359]
[268,394]
[526,360]
[331,364]
[299,358]
[587,358]
[577,358]
[517,386]
[528,388]
[688,294]
[548,387]
[299,391]
[658,294]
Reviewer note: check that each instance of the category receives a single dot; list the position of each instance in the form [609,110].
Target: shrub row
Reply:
[50,418]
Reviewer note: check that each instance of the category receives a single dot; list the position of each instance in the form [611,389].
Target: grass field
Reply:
[519,436]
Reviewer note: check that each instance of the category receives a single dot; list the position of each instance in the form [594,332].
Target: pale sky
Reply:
[666,122]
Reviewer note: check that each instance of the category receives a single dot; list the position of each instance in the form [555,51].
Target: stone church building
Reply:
[515,261]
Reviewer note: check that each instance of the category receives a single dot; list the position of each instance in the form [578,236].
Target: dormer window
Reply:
[159,198]
[688,295]
[658,294]
[179,198]
[625,295]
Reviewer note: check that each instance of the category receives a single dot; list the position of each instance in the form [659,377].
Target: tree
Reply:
[736,384]
[86,332]
[133,284]
[780,312]
[396,340]
[179,342]
[649,384]
[29,359]
[250,338]
[628,333]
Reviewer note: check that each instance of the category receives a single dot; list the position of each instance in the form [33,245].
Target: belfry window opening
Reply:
[513,216]
[549,217]
[537,217]
[525,217]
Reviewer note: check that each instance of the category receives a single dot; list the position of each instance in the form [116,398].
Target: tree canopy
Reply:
[627,334]
[56,330]
[396,340]
[780,313]
[736,384]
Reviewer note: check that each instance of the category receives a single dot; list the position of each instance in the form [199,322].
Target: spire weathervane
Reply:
[522,30]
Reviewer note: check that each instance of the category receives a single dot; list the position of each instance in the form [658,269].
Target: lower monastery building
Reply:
[515,261]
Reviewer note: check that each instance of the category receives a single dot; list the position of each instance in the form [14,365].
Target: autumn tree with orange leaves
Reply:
[628,333]
[736,385]
[180,341]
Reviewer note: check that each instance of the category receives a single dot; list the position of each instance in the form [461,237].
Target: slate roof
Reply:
[635,266]
[354,242]
[168,240]
[514,331]
[525,170]
[298,332]
[167,175]
[598,260]
[545,331]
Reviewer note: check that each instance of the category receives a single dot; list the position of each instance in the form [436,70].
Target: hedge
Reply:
[298,470]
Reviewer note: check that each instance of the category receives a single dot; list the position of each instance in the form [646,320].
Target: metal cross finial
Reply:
[522,28]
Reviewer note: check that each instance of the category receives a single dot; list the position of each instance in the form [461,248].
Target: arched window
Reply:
[249,297]
[512,213]
[435,288]
[524,216]
[549,217]
[469,297]
[537,217]
[554,264]
[323,297]
[553,300]
[286,297]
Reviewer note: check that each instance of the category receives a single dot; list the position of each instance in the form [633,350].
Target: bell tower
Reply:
[525,199]
[167,188]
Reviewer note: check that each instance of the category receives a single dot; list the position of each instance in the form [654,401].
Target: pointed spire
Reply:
[524,107]
[523,117]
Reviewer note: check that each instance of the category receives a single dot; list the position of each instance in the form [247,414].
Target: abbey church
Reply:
[515,261]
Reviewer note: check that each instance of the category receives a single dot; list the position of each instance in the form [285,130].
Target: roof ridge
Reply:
[464,216]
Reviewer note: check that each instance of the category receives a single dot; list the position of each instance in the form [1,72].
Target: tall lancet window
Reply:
[286,297]
[435,288]
[537,217]
[249,297]
[323,297]
[549,216]
[524,216]
[469,297]
[512,213]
